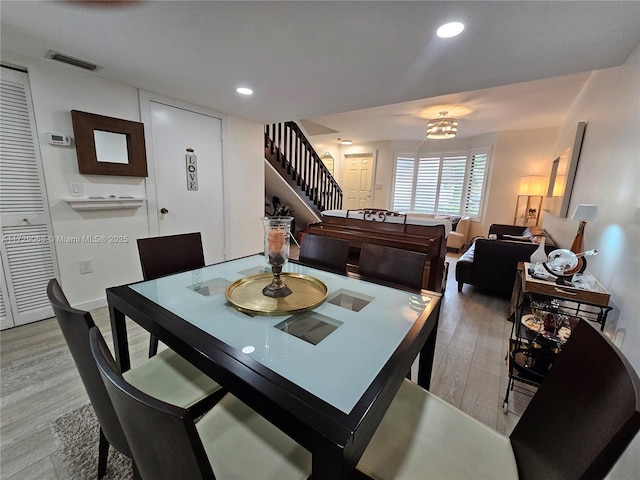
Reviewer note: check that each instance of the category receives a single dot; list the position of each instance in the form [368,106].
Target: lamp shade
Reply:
[533,185]
[585,212]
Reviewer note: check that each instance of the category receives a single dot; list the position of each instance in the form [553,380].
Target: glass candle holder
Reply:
[276,251]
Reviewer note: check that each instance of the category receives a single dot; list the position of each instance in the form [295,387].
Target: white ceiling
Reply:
[527,105]
[519,63]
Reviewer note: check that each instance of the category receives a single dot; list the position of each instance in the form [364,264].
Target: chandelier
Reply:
[442,127]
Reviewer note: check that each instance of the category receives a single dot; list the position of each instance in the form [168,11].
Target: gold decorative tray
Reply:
[246,294]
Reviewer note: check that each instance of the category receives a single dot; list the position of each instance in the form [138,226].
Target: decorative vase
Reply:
[276,251]
[539,256]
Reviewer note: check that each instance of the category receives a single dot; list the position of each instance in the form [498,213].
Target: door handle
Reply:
[164,210]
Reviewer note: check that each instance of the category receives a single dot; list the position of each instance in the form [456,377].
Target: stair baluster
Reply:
[293,156]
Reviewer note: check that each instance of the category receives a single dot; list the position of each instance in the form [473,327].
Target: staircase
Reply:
[290,153]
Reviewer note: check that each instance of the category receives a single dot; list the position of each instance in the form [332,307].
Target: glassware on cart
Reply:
[276,251]
[547,325]
[550,323]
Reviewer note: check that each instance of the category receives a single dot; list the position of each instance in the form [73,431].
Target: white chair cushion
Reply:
[423,437]
[241,444]
[170,378]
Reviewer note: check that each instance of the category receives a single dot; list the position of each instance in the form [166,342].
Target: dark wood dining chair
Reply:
[324,252]
[580,421]
[392,265]
[166,376]
[160,256]
[231,440]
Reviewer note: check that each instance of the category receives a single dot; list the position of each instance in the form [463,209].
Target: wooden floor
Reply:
[39,381]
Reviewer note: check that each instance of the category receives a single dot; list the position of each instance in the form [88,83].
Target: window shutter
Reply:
[427,184]
[451,183]
[403,185]
[477,179]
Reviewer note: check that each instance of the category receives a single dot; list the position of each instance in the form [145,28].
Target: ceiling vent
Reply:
[76,62]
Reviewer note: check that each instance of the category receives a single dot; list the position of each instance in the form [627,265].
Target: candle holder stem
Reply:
[277,287]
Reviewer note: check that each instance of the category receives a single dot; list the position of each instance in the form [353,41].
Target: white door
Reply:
[26,251]
[189,191]
[358,175]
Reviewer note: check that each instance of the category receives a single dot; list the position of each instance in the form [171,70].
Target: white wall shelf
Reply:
[104,203]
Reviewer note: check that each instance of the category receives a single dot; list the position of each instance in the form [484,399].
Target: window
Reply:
[448,183]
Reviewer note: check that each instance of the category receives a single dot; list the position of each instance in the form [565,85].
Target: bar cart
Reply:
[544,313]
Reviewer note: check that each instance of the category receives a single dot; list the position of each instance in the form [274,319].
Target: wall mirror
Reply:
[563,174]
[109,146]
[328,161]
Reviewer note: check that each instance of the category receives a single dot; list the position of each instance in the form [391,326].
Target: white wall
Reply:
[514,154]
[58,89]
[608,175]
[244,187]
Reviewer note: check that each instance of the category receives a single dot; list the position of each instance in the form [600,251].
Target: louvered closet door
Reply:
[27,249]
[5,319]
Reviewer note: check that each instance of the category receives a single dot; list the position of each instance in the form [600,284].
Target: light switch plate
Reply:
[86,266]
[75,189]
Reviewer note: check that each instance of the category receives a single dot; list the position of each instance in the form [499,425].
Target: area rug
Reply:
[77,434]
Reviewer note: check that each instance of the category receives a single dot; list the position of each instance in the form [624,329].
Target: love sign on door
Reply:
[192,169]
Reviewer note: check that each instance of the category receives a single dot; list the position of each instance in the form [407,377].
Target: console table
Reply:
[591,305]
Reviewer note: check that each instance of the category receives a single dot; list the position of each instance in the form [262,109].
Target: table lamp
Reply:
[583,212]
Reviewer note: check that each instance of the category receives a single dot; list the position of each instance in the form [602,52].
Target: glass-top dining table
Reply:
[325,376]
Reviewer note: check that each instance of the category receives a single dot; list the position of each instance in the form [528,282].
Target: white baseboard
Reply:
[92,305]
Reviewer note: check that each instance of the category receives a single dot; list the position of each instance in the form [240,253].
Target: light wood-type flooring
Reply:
[39,381]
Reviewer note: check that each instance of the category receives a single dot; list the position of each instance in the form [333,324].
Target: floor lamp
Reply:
[532,188]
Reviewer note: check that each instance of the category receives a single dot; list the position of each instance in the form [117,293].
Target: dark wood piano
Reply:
[392,229]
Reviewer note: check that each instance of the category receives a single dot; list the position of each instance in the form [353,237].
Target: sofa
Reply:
[457,235]
[491,263]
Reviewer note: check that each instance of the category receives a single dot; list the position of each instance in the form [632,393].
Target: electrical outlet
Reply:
[86,266]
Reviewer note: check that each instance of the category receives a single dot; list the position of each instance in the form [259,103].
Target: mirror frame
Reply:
[84,125]
[327,155]
[559,206]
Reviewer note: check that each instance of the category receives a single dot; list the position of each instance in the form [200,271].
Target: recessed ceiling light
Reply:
[345,142]
[449,30]
[244,91]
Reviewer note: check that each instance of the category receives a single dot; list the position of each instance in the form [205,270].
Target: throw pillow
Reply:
[521,238]
[455,219]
